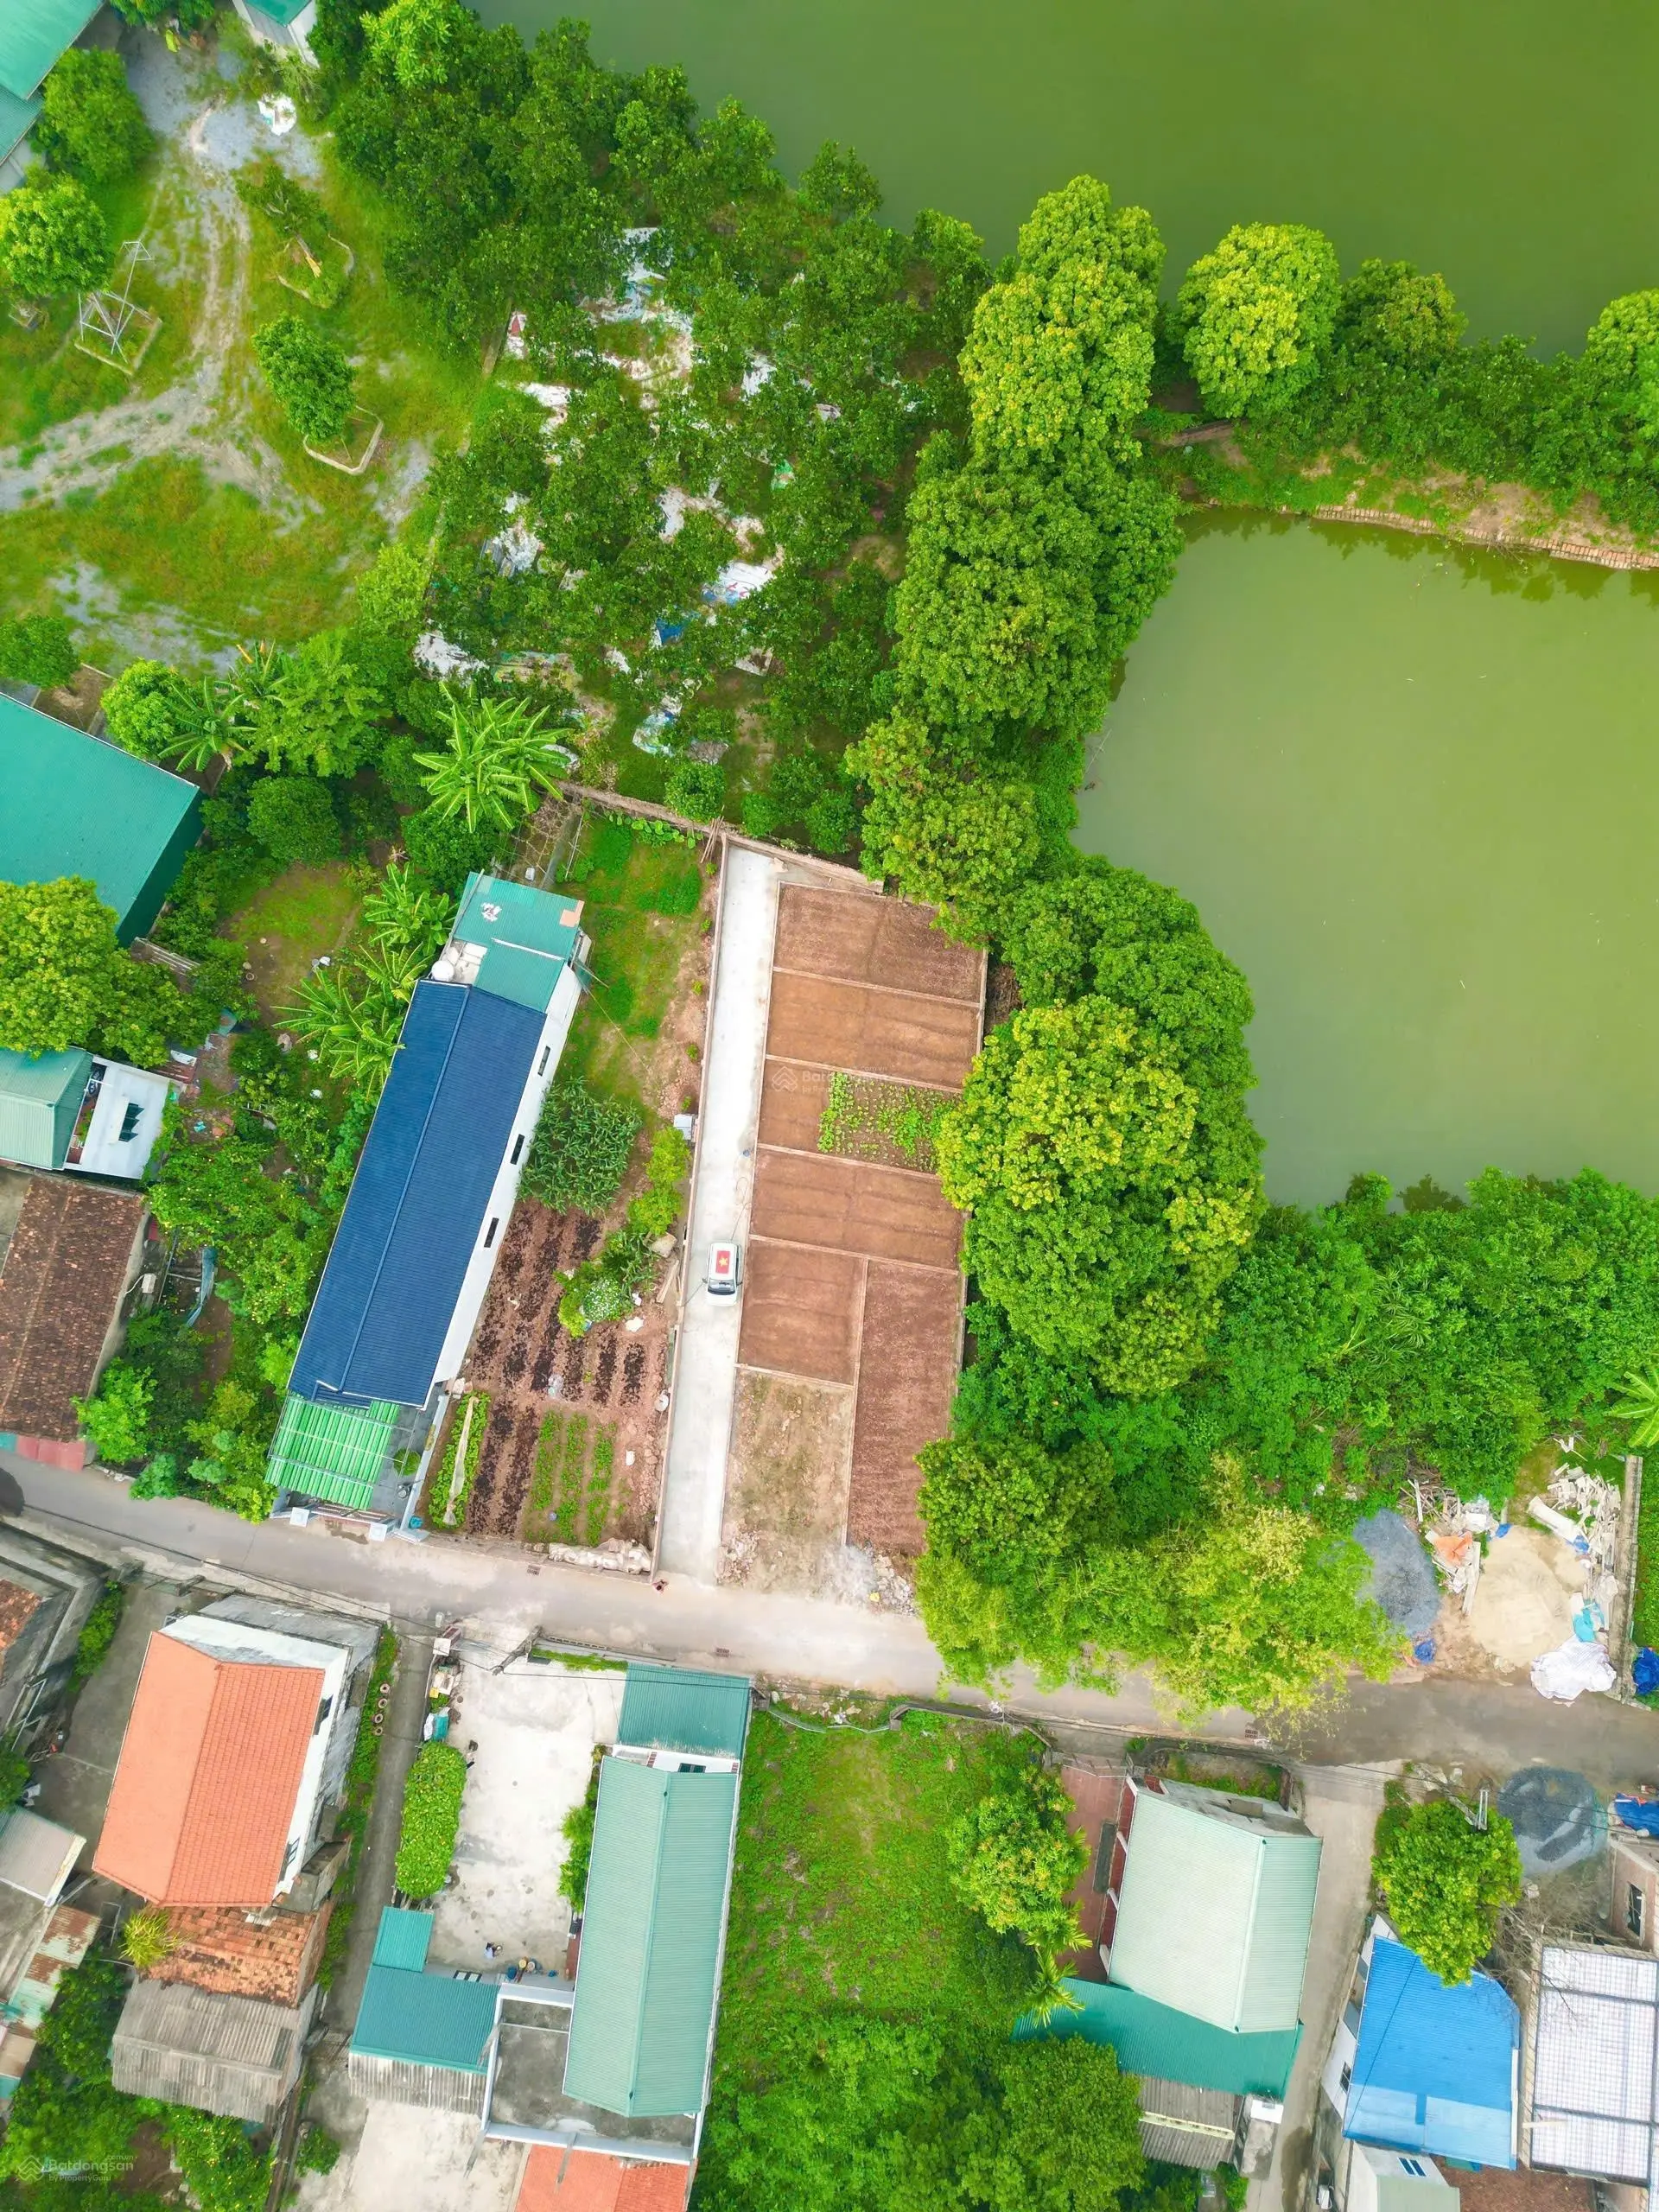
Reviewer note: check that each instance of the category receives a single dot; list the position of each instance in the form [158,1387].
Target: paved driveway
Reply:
[705,1375]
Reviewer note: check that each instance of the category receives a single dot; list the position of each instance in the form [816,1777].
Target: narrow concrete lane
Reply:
[705,1375]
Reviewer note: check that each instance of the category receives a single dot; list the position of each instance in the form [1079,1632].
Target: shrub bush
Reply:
[318,2151]
[577,1829]
[581,1150]
[656,1209]
[117,1417]
[309,378]
[426,1845]
[142,709]
[696,789]
[91,123]
[99,1633]
[293,818]
[53,237]
[37,649]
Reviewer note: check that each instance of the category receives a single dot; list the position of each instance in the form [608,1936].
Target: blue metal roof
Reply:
[1170,2046]
[1435,2070]
[417,1205]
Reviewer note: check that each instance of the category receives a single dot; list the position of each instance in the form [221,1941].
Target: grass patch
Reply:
[641,901]
[302,913]
[440,1512]
[1644,1601]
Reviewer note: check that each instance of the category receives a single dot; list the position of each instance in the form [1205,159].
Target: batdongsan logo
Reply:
[31,2168]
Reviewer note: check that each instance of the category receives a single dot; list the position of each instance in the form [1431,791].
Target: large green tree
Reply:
[64,981]
[1443,1881]
[91,123]
[309,378]
[1255,316]
[53,238]
[1064,2135]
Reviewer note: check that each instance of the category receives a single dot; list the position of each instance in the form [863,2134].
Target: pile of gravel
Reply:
[1403,1581]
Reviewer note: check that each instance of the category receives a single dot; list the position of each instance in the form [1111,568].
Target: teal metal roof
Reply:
[33,33]
[528,936]
[423,2019]
[1170,2046]
[402,1939]
[40,1097]
[648,1971]
[76,806]
[17,118]
[280,11]
[1214,1913]
[676,1709]
[331,1451]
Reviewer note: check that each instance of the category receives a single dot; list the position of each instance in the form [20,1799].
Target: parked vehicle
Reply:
[725,1271]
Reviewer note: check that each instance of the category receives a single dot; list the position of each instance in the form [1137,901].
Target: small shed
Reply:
[1435,2067]
[421,2038]
[73,1256]
[69,1111]
[1593,2105]
[675,1708]
[239,2056]
[78,806]
[40,1103]
[1214,1905]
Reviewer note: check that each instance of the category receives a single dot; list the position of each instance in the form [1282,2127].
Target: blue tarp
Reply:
[1435,2070]
[416,1206]
[1645,1672]
[1638,1812]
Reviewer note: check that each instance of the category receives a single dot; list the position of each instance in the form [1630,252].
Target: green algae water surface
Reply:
[1510,146]
[1414,791]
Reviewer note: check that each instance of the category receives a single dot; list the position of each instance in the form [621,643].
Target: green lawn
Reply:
[640,903]
[306,911]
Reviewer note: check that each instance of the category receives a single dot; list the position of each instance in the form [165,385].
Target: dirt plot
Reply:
[791,1105]
[849,1205]
[863,940]
[907,1377]
[786,1483]
[802,1311]
[871,1032]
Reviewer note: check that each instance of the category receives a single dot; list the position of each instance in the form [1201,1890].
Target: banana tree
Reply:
[402,915]
[497,761]
[1640,1405]
[209,726]
[352,1031]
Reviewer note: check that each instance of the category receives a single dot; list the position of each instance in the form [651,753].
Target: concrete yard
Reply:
[395,2161]
[535,1728]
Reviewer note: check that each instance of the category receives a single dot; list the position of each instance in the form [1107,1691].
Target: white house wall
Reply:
[555,1028]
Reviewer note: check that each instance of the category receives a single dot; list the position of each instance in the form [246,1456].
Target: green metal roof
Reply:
[1214,1913]
[39,1099]
[33,33]
[17,118]
[648,1971]
[280,11]
[1170,2046]
[529,937]
[76,806]
[425,2019]
[676,1709]
[402,1938]
[331,1451]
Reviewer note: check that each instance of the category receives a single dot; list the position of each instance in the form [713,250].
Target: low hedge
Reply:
[426,1846]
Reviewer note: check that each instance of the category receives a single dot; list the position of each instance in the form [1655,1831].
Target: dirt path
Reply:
[200,414]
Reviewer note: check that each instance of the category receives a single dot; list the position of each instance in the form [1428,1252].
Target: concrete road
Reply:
[705,1373]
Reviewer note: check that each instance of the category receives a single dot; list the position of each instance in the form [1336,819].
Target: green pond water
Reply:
[1510,146]
[1412,792]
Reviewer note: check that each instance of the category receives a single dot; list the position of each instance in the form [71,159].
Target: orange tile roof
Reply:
[210,1768]
[16,1604]
[561,2180]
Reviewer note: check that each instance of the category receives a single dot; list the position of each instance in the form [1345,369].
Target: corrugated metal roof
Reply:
[416,1211]
[33,33]
[1214,1914]
[676,1709]
[1595,2064]
[76,806]
[237,2056]
[331,1451]
[40,1099]
[1434,2069]
[529,936]
[427,2088]
[402,1938]
[648,1971]
[37,1855]
[17,118]
[1158,2040]
[425,2019]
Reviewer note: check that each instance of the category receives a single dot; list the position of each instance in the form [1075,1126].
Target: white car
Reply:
[725,1271]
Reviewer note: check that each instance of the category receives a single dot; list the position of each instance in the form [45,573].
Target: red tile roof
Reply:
[560,2180]
[63,1279]
[210,1768]
[16,1606]
[219,1948]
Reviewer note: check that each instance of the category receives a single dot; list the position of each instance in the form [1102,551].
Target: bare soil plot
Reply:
[851,1206]
[802,1311]
[907,1377]
[792,1103]
[863,940]
[870,1031]
[786,1483]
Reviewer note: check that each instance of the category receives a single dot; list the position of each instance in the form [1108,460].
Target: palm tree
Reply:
[496,761]
[147,1938]
[210,725]
[1640,1405]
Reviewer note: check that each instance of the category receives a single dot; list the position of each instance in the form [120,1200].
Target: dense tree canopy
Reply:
[53,238]
[1255,316]
[65,982]
[91,123]
[309,378]
[1443,1882]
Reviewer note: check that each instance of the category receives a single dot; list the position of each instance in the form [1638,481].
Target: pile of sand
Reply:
[1528,1585]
